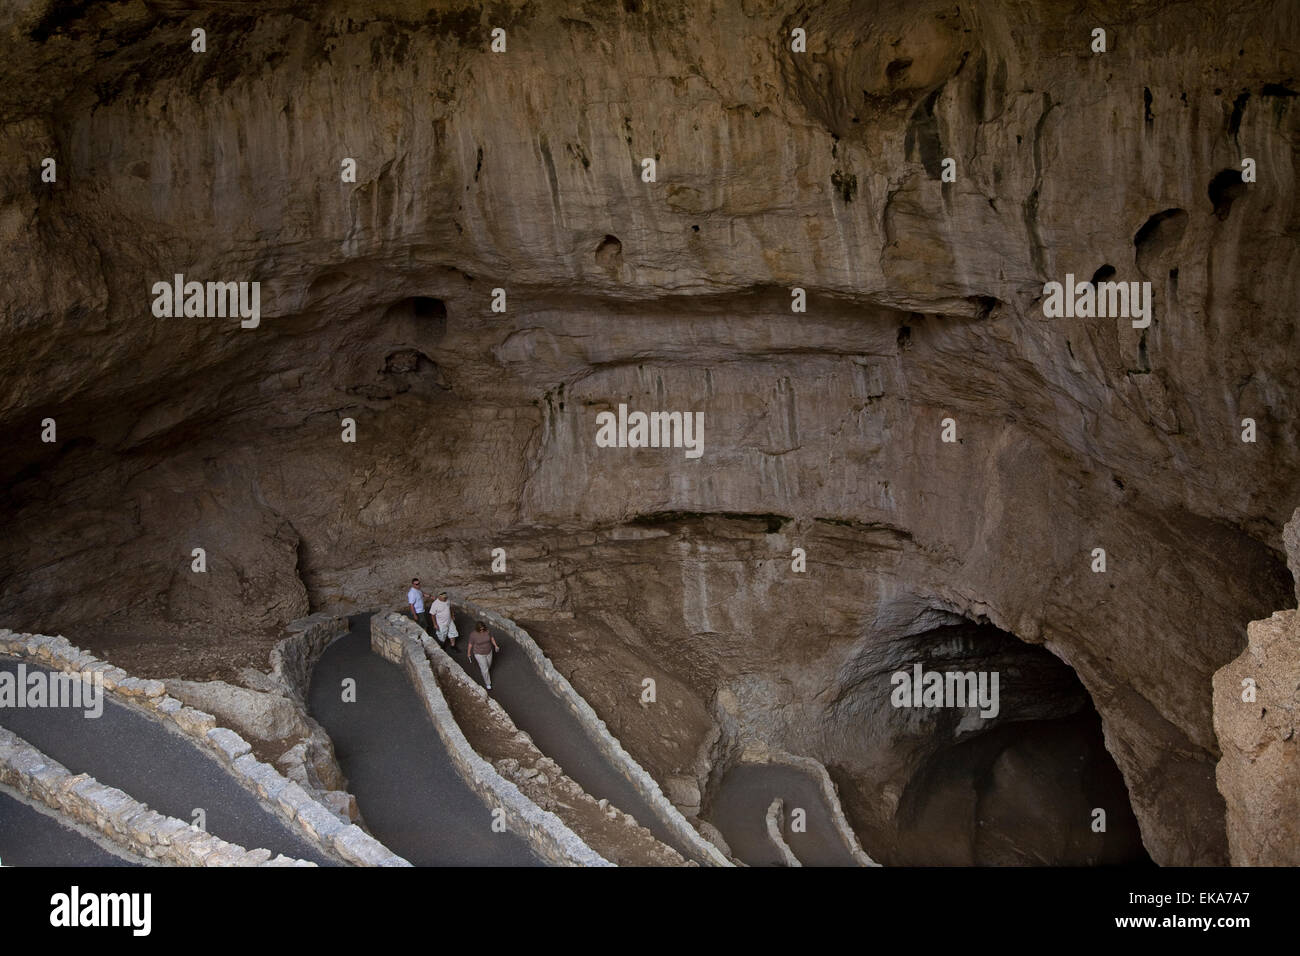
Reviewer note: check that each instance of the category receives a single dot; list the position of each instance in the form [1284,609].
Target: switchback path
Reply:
[537,710]
[739,810]
[128,750]
[409,792]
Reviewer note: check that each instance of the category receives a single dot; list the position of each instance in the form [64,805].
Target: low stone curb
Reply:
[121,818]
[774,813]
[758,753]
[447,670]
[398,639]
[287,800]
[697,848]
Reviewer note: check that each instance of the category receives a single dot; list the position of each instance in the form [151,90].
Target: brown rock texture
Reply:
[475,429]
[1256,717]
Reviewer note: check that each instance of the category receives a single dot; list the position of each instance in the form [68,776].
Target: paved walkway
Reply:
[31,837]
[412,797]
[540,712]
[739,810]
[136,753]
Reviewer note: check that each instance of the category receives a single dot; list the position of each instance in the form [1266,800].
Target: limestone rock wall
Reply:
[1256,716]
[476,429]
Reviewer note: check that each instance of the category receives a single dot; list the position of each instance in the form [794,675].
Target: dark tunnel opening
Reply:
[1032,784]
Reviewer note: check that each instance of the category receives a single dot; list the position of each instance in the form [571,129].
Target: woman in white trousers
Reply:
[481,645]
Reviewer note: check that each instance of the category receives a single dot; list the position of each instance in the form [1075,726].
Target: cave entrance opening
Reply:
[1033,785]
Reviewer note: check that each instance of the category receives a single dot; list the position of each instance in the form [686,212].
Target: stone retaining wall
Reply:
[287,800]
[294,657]
[121,818]
[311,762]
[697,848]
[398,639]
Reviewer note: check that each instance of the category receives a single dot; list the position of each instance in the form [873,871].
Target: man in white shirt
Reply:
[415,599]
[442,618]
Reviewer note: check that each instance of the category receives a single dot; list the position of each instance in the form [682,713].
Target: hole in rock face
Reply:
[395,357]
[425,307]
[1226,188]
[984,305]
[846,185]
[422,318]
[1103,274]
[922,137]
[1158,238]
[894,72]
[1238,110]
[1018,787]
[414,370]
[405,361]
[610,252]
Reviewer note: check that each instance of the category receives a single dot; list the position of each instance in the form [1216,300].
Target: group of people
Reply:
[443,626]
